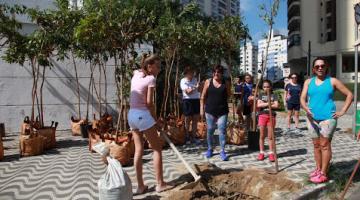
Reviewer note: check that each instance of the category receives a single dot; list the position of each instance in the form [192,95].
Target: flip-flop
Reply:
[141,192]
[167,187]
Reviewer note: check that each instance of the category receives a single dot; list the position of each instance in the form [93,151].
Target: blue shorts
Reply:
[191,107]
[292,106]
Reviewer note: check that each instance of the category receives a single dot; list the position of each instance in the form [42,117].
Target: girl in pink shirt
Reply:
[141,119]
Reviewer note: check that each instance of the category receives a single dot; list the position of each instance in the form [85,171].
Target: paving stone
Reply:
[72,172]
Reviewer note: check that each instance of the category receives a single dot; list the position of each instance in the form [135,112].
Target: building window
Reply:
[348,63]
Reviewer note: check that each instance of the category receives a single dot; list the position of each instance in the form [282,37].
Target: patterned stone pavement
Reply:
[71,171]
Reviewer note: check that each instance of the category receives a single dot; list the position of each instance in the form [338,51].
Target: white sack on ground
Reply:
[115,184]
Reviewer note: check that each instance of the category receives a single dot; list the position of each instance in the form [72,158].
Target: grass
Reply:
[338,172]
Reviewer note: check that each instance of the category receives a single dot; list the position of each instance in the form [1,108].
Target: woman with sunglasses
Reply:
[292,100]
[214,104]
[317,100]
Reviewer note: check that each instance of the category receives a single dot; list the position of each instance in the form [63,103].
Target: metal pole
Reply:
[356,80]
[308,60]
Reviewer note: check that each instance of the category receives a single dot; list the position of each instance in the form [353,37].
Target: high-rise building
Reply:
[218,8]
[328,27]
[277,56]
[248,58]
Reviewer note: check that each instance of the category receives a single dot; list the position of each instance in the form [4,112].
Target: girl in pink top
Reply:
[141,119]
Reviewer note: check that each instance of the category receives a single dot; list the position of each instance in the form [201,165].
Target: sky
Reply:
[249,9]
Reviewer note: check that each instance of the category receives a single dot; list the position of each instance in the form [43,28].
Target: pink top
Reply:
[139,88]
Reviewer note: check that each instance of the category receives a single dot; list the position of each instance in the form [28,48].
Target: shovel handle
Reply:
[173,147]
[350,180]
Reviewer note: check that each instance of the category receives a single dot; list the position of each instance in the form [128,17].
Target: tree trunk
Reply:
[99,97]
[167,81]
[41,98]
[36,89]
[105,87]
[176,98]
[118,95]
[77,84]
[90,84]
[263,67]
[33,69]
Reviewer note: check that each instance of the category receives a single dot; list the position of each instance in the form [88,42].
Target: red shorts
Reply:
[264,120]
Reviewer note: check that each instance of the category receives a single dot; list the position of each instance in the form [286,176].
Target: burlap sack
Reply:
[25,125]
[201,132]
[49,134]
[1,150]
[176,134]
[31,145]
[120,152]
[235,135]
[75,126]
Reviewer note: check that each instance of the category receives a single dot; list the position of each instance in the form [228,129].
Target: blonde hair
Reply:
[148,60]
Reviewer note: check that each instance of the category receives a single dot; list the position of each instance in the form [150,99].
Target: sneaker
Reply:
[223,156]
[209,153]
[261,156]
[315,173]
[320,178]
[271,157]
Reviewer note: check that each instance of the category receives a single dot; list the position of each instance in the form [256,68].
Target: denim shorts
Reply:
[140,119]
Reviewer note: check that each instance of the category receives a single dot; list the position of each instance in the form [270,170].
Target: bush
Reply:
[280,94]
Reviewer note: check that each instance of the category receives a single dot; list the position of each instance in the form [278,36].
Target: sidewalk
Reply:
[72,172]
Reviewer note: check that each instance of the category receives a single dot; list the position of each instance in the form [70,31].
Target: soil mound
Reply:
[249,184]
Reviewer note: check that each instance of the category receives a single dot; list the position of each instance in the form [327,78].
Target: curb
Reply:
[314,191]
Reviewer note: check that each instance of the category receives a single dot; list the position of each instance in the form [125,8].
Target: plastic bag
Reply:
[115,184]
[101,148]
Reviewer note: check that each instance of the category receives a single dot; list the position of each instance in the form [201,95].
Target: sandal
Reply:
[138,192]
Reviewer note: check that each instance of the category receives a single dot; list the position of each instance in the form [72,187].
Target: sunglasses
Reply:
[319,66]
[293,77]
[217,72]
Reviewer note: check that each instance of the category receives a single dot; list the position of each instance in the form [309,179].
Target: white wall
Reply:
[60,99]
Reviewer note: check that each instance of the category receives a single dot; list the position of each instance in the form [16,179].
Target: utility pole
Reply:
[308,60]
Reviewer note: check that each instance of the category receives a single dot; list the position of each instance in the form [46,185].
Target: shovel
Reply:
[276,169]
[196,177]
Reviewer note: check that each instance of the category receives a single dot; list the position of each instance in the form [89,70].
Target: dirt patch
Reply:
[250,184]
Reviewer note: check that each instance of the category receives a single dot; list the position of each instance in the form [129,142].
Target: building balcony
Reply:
[293,4]
[293,19]
[294,11]
[289,2]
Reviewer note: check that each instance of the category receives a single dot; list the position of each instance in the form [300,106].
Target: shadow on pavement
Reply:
[290,153]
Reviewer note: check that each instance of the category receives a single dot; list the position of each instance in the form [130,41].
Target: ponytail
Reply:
[148,60]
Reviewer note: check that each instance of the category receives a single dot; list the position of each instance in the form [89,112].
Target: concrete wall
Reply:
[60,98]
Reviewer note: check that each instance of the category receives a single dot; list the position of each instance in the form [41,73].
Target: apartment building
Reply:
[248,58]
[328,26]
[277,56]
[218,8]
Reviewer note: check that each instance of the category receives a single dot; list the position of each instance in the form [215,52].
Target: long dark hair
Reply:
[148,60]
[270,84]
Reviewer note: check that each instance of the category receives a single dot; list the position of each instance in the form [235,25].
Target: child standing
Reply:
[264,119]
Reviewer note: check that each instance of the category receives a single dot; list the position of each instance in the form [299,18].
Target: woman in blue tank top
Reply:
[317,100]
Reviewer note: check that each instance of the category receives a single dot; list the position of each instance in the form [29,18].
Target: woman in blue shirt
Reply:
[292,99]
[317,100]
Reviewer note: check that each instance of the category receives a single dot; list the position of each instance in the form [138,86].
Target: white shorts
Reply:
[140,120]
